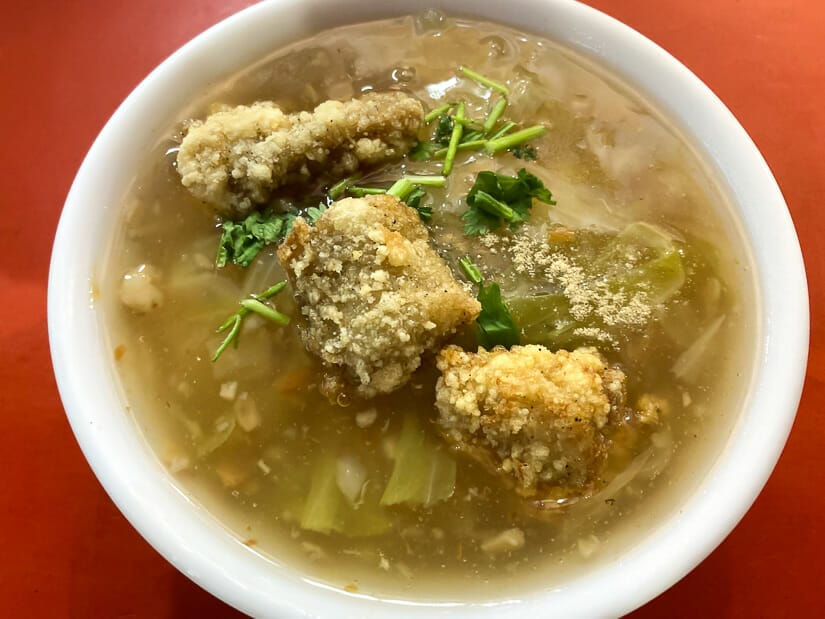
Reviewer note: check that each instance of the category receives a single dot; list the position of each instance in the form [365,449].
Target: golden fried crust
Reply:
[373,294]
[535,415]
[235,158]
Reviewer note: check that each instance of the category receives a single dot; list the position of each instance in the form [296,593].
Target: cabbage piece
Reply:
[324,499]
[326,510]
[660,278]
[689,364]
[224,427]
[424,472]
[546,320]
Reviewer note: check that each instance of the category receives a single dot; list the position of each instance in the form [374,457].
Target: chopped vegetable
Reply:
[241,242]
[424,151]
[408,190]
[424,472]
[504,130]
[689,364]
[360,192]
[455,138]
[326,510]
[471,270]
[526,152]
[339,188]
[437,112]
[444,129]
[485,81]
[496,197]
[324,498]
[254,304]
[512,140]
[495,324]
[495,114]
[224,427]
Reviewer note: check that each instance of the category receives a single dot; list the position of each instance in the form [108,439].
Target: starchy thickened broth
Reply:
[352,426]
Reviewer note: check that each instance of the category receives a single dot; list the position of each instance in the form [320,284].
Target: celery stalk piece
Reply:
[324,499]
[424,472]
[326,510]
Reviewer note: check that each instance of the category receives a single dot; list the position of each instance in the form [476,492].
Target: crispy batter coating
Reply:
[235,158]
[535,415]
[373,294]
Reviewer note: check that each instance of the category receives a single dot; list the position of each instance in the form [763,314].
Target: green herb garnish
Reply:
[340,188]
[455,138]
[241,242]
[512,140]
[525,151]
[497,197]
[443,129]
[254,304]
[495,325]
[423,151]
[314,212]
[485,81]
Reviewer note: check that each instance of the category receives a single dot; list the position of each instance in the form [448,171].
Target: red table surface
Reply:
[64,68]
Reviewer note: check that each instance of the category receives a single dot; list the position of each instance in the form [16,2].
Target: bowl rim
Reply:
[199,546]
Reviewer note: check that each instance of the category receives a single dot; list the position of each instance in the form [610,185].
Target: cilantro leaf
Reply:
[443,130]
[494,198]
[495,325]
[424,151]
[313,213]
[242,241]
[414,200]
[525,151]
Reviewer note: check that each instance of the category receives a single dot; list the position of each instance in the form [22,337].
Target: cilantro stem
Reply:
[495,114]
[231,336]
[494,207]
[514,139]
[248,306]
[401,189]
[505,129]
[463,146]
[437,112]
[485,81]
[426,180]
[339,188]
[253,305]
[470,270]
[271,291]
[360,192]
[469,123]
[455,138]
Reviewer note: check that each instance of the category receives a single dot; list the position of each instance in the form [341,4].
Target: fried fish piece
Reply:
[235,158]
[533,415]
[373,295]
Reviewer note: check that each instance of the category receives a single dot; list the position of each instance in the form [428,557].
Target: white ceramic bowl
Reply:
[196,543]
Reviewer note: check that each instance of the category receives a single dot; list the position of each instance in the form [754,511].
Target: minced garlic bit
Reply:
[138,291]
[531,413]
[229,390]
[373,293]
[366,418]
[506,541]
[246,412]
[651,408]
[236,157]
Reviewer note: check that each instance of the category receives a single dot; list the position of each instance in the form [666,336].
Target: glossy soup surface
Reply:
[246,435]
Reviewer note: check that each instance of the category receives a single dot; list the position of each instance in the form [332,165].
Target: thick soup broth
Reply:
[255,438]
